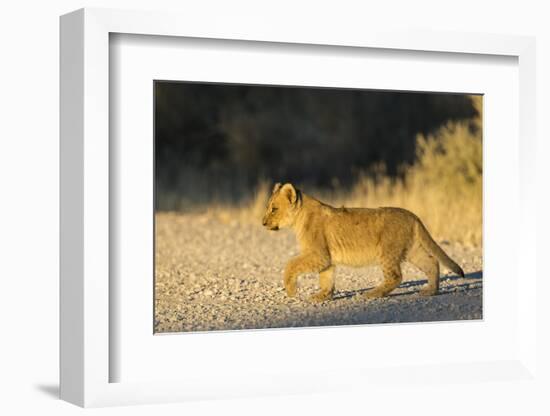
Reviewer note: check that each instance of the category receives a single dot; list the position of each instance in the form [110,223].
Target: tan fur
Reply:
[357,237]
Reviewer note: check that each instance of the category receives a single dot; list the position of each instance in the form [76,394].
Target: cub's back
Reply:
[357,236]
[350,219]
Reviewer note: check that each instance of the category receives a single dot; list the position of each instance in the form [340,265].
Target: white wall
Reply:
[29,181]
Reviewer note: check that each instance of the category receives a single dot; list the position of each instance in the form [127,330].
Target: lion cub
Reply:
[331,236]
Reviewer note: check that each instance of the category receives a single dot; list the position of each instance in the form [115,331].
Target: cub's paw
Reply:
[290,290]
[371,294]
[428,292]
[320,297]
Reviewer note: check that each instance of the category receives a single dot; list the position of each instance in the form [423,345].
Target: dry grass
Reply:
[251,210]
[444,186]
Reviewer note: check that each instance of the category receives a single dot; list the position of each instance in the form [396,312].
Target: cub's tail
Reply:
[432,247]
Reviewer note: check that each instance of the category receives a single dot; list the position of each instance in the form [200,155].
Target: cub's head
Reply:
[282,206]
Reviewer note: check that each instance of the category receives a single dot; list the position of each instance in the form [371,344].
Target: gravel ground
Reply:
[212,275]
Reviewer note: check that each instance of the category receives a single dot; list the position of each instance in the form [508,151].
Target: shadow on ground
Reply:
[51,390]
[468,282]
[460,298]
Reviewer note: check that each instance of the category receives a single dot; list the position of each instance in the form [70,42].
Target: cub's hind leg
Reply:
[392,279]
[326,283]
[429,265]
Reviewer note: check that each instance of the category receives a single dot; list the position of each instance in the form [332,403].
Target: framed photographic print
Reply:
[218,148]
[276,213]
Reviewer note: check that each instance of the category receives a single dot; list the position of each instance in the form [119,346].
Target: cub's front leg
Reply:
[303,263]
[326,283]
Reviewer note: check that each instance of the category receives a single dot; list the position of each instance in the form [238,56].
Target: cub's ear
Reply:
[276,187]
[290,192]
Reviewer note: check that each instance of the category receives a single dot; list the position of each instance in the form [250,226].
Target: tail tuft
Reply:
[458,270]
[429,244]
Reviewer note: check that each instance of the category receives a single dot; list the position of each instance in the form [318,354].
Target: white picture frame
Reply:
[85,355]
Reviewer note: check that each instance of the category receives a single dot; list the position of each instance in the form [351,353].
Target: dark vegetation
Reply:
[215,142]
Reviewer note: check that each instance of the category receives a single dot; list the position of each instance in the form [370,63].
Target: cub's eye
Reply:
[273,209]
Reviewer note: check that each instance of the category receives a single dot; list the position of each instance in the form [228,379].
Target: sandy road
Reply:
[211,275]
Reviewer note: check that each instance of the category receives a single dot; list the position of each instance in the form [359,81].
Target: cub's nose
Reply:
[264,222]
